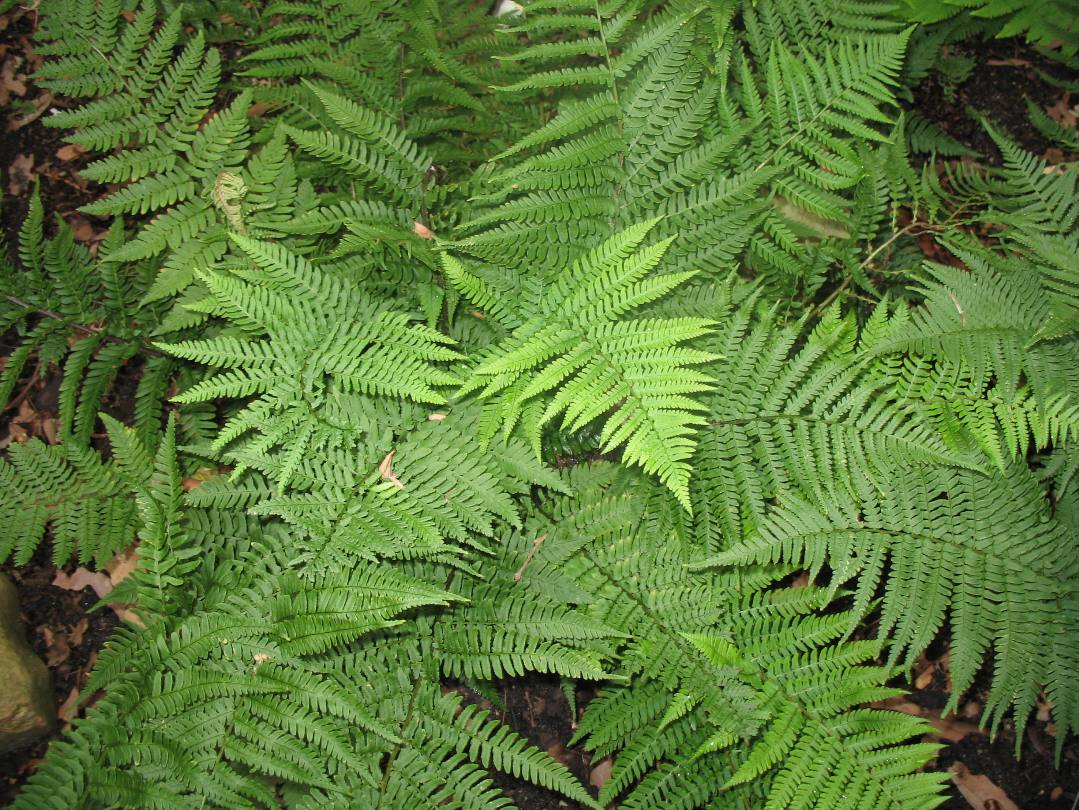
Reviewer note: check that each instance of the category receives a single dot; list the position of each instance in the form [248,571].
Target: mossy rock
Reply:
[28,708]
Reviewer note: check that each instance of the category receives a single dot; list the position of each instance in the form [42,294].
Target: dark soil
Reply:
[62,189]
[536,708]
[1002,78]
[1032,781]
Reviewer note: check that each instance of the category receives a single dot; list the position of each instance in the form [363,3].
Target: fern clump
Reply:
[560,342]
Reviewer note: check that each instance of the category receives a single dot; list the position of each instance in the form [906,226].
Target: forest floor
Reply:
[67,633]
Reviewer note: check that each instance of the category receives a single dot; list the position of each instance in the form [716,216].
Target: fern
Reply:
[452,369]
[321,356]
[152,107]
[1062,135]
[972,572]
[663,136]
[228,684]
[70,310]
[1052,23]
[633,368]
[70,490]
[718,659]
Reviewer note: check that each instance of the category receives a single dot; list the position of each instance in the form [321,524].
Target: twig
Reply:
[838,291]
[78,327]
[535,547]
[14,401]
[56,316]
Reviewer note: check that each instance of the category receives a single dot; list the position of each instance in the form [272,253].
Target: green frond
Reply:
[637,371]
[983,318]
[806,421]
[336,609]
[70,490]
[403,500]
[494,745]
[1052,23]
[764,691]
[960,540]
[159,584]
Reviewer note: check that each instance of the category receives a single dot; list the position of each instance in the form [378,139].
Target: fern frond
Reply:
[960,541]
[759,668]
[635,370]
[71,490]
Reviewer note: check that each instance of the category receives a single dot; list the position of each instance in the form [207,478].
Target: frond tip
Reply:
[575,348]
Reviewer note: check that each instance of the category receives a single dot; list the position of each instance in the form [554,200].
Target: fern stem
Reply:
[838,291]
[56,316]
[385,783]
[79,327]
[607,54]
[15,400]
[647,610]
[416,682]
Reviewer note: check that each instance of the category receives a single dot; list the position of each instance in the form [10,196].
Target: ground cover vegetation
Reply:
[473,346]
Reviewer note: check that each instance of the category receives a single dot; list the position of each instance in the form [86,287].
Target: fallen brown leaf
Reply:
[50,429]
[18,427]
[385,469]
[76,633]
[945,728]
[422,231]
[57,649]
[83,231]
[70,707]
[125,614]
[952,730]
[1038,740]
[944,664]
[1053,156]
[41,104]
[20,175]
[601,773]
[557,751]
[435,417]
[1062,112]
[29,422]
[12,83]
[120,566]
[70,152]
[84,578]
[925,676]
[201,476]
[979,790]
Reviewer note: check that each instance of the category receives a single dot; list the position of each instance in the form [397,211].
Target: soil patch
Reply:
[1004,74]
